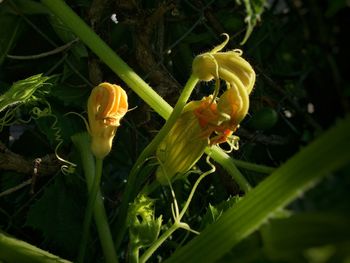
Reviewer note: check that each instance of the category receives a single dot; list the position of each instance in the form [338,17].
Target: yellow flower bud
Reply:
[107,104]
[211,120]
[229,66]
[239,76]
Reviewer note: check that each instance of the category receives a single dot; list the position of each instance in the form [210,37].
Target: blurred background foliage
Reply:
[299,50]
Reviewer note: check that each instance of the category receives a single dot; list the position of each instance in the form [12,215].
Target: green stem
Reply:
[108,56]
[131,186]
[177,224]
[194,188]
[82,143]
[253,167]
[104,231]
[134,254]
[149,252]
[89,209]
[228,164]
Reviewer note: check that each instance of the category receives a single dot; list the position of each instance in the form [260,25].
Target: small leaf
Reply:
[22,91]
[143,227]
[254,9]
[214,212]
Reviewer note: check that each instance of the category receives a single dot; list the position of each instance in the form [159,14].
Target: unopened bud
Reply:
[107,104]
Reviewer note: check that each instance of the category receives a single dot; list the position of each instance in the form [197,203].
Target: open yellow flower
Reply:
[233,69]
[107,105]
[212,120]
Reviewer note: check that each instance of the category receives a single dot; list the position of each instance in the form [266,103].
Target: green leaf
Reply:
[329,152]
[13,250]
[144,228]
[70,96]
[214,212]
[58,215]
[22,91]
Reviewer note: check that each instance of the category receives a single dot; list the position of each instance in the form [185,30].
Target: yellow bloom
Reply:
[211,120]
[234,70]
[107,104]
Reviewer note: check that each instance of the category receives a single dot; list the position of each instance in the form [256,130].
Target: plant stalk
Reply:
[326,154]
[228,164]
[149,252]
[82,143]
[108,56]
[89,209]
[132,187]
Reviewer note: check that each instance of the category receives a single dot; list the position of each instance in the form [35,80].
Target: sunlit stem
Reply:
[177,217]
[134,254]
[82,143]
[132,186]
[149,252]
[89,209]
[194,188]
[228,164]
[108,56]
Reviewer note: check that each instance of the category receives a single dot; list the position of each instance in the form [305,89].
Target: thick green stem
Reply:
[131,186]
[253,167]
[227,162]
[108,56]
[149,252]
[89,209]
[134,254]
[82,143]
[327,153]
[104,231]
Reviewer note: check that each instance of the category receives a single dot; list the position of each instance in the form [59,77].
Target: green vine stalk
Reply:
[328,153]
[82,143]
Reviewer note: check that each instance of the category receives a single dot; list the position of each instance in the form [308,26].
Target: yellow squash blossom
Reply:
[107,105]
[209,121]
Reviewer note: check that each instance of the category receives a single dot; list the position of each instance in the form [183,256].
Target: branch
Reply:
[11,161]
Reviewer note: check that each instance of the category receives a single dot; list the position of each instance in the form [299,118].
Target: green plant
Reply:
[165,197]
